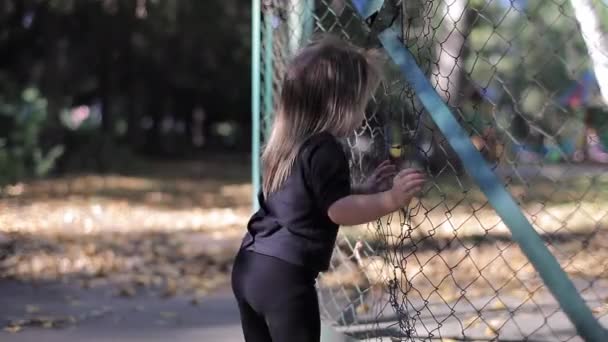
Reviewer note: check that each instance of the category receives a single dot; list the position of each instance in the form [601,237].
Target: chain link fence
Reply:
[525,79]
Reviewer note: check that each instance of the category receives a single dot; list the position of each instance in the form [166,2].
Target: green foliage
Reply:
[528,56]
[108,75]
[21,154]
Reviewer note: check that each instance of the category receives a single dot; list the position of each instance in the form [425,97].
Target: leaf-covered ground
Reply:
[171,231]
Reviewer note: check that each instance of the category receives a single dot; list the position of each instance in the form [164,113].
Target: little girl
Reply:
[307,193]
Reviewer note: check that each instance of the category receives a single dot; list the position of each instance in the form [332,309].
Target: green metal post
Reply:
[255,100]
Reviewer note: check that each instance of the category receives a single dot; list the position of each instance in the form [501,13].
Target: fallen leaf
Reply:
[201,292]
[31,309]
[126,292]
[97,313]
[168,314]
[471,321]
[45,321]
[362,308]
[498,305]
[490,331]
[493,327]
[13,329]
[170,289]
[143,280]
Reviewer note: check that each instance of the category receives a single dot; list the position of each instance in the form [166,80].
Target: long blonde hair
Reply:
[326,88]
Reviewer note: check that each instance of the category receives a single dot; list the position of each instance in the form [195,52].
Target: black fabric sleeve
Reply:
[329,174]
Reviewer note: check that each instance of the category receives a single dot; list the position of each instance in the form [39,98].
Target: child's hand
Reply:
[378,181]
[406,185]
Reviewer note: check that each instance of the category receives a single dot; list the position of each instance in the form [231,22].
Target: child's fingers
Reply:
[382,169]
[384,163]
[412,177]
[381,166]
[387,171]
[406,172]
[415,183]
[407,184]
[415,188]
[385,168]
[387,176]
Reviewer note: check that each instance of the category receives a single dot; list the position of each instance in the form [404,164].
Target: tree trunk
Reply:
[448,76]
[451,50]
[596,42]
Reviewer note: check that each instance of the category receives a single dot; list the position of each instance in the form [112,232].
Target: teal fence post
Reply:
[255,100]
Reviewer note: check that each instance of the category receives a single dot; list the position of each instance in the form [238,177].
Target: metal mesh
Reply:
[522,76]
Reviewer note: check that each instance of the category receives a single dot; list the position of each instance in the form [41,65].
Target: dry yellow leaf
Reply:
[143,280]
[471,321]
[13,329]
[493,327]
[31,309]
[127,292]
[170,288]
[168,314]
[201,292]
[490,331]
[362,308]
[498,305]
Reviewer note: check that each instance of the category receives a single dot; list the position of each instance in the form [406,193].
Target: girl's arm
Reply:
[358,209]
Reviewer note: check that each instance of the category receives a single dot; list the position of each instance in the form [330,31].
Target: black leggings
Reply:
[277,300]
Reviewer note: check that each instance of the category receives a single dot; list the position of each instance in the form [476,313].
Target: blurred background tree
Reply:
[114,79]
[107,79]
